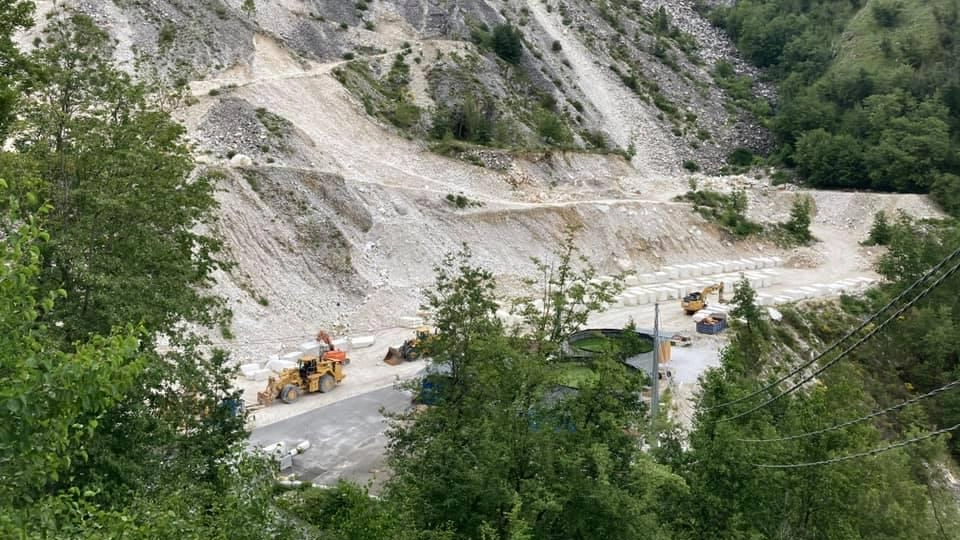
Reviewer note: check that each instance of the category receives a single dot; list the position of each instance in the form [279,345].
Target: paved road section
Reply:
[347,437]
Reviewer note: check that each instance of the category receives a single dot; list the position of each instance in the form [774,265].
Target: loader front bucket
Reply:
[393,357]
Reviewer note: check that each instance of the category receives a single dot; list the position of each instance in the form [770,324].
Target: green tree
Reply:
[798,226]
[14,16]
[830,160]
[508,452]
[51,401]
[569,294]
[507,43]
[880,231]
[124,433]
[101,151]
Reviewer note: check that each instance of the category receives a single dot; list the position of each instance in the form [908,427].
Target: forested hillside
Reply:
[869,91]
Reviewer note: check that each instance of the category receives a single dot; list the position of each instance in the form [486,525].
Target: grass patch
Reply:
[599,344]
[275,124]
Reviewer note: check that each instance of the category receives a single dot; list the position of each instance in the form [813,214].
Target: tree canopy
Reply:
[868,90]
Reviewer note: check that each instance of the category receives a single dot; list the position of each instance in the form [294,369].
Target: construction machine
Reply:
[696,301]
[314,373]
[412,348]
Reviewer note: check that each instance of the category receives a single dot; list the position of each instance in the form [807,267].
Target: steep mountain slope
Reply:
[336,216]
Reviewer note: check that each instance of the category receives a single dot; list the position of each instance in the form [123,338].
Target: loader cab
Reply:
[308,366]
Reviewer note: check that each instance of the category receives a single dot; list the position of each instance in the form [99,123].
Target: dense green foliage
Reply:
[894,495]
[507,43]
[103,433]
[869,89]
[505,453]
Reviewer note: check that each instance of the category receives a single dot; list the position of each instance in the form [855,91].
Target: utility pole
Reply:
[655,373]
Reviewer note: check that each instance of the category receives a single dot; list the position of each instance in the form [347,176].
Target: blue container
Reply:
[712,328]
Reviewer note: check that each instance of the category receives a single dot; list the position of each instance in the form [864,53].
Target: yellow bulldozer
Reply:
[314,373]
[697,300]
[412,348]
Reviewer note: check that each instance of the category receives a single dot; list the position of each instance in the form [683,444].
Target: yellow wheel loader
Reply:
[696,301]
[412,348]
[312,374]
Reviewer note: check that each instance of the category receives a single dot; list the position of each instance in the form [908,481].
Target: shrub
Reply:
[167,34]
[691,165]
[741,157]
[461,201]
[596,139]
[507,43]
[556,47]
[887,14]
[552,129]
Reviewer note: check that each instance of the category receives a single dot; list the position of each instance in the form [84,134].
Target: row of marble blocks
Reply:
[675,290]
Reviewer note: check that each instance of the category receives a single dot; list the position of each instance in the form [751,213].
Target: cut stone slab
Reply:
[359,342]
[259,375]
[306,345]
[643,296]
[276,449]
[249,368]
[411,322]
[280,365]
[811,292]
[292,356]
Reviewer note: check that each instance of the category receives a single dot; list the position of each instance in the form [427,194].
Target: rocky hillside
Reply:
[630,76]
[356,143]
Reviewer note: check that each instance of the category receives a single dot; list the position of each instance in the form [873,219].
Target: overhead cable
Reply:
[849,457]
[875,414]
[847,351]
[946,260]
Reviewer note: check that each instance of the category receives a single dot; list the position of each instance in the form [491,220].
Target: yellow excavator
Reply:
[314,373]
[412,348]
[696,301]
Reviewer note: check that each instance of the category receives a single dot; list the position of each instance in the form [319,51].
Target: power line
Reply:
[850,334]
[859,342]
[868,453]
[858,420]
